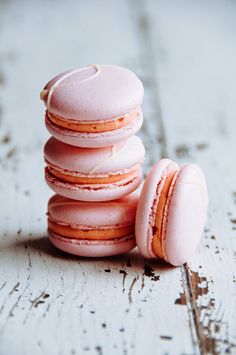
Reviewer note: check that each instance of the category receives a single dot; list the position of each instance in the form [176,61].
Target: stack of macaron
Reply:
[94,165]
[93,159]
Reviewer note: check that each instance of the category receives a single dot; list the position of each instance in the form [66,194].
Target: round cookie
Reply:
[100,174]
[92,229]
[171,212]
[94,106]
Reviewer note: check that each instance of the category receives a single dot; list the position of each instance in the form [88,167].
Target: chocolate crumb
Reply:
[182,299]
[6,139]
[149,272]
[165,337]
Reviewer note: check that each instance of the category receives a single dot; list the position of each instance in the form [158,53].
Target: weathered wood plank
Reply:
[195,54]
[50,301]
[53,302]
[110,306]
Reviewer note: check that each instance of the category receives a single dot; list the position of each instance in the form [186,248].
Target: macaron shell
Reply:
[143,230]
[95,92]
[105,193]
[92,248]
[123,155]
[76,213]
[186,215]
[94,140]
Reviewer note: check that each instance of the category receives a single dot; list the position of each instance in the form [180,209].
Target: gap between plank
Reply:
[142,25]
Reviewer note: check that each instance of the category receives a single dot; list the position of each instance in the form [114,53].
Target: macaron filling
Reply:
[160,211]
[94,126]
[90,233]
[125,175]
[102,243]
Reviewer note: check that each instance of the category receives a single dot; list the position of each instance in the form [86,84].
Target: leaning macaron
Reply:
[92,229]
[99,174]
[94,106]
[171,212]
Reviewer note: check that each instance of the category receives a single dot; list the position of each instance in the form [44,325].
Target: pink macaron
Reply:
[94,106]
[171,212]
[99,174]
[92,229]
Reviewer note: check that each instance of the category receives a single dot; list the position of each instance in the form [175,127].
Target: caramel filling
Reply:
[90,180]
[94,126]
[90,234]
[159,216]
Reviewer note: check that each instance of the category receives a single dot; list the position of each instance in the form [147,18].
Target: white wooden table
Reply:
[185,53]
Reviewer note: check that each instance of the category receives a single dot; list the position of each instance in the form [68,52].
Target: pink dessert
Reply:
[92,229]
[94,106]
[100,174]
[171,212]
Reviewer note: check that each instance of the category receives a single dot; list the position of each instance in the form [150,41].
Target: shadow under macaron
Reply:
[132,259]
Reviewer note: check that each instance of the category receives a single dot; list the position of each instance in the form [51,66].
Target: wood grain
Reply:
[185,54]
[196,86]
